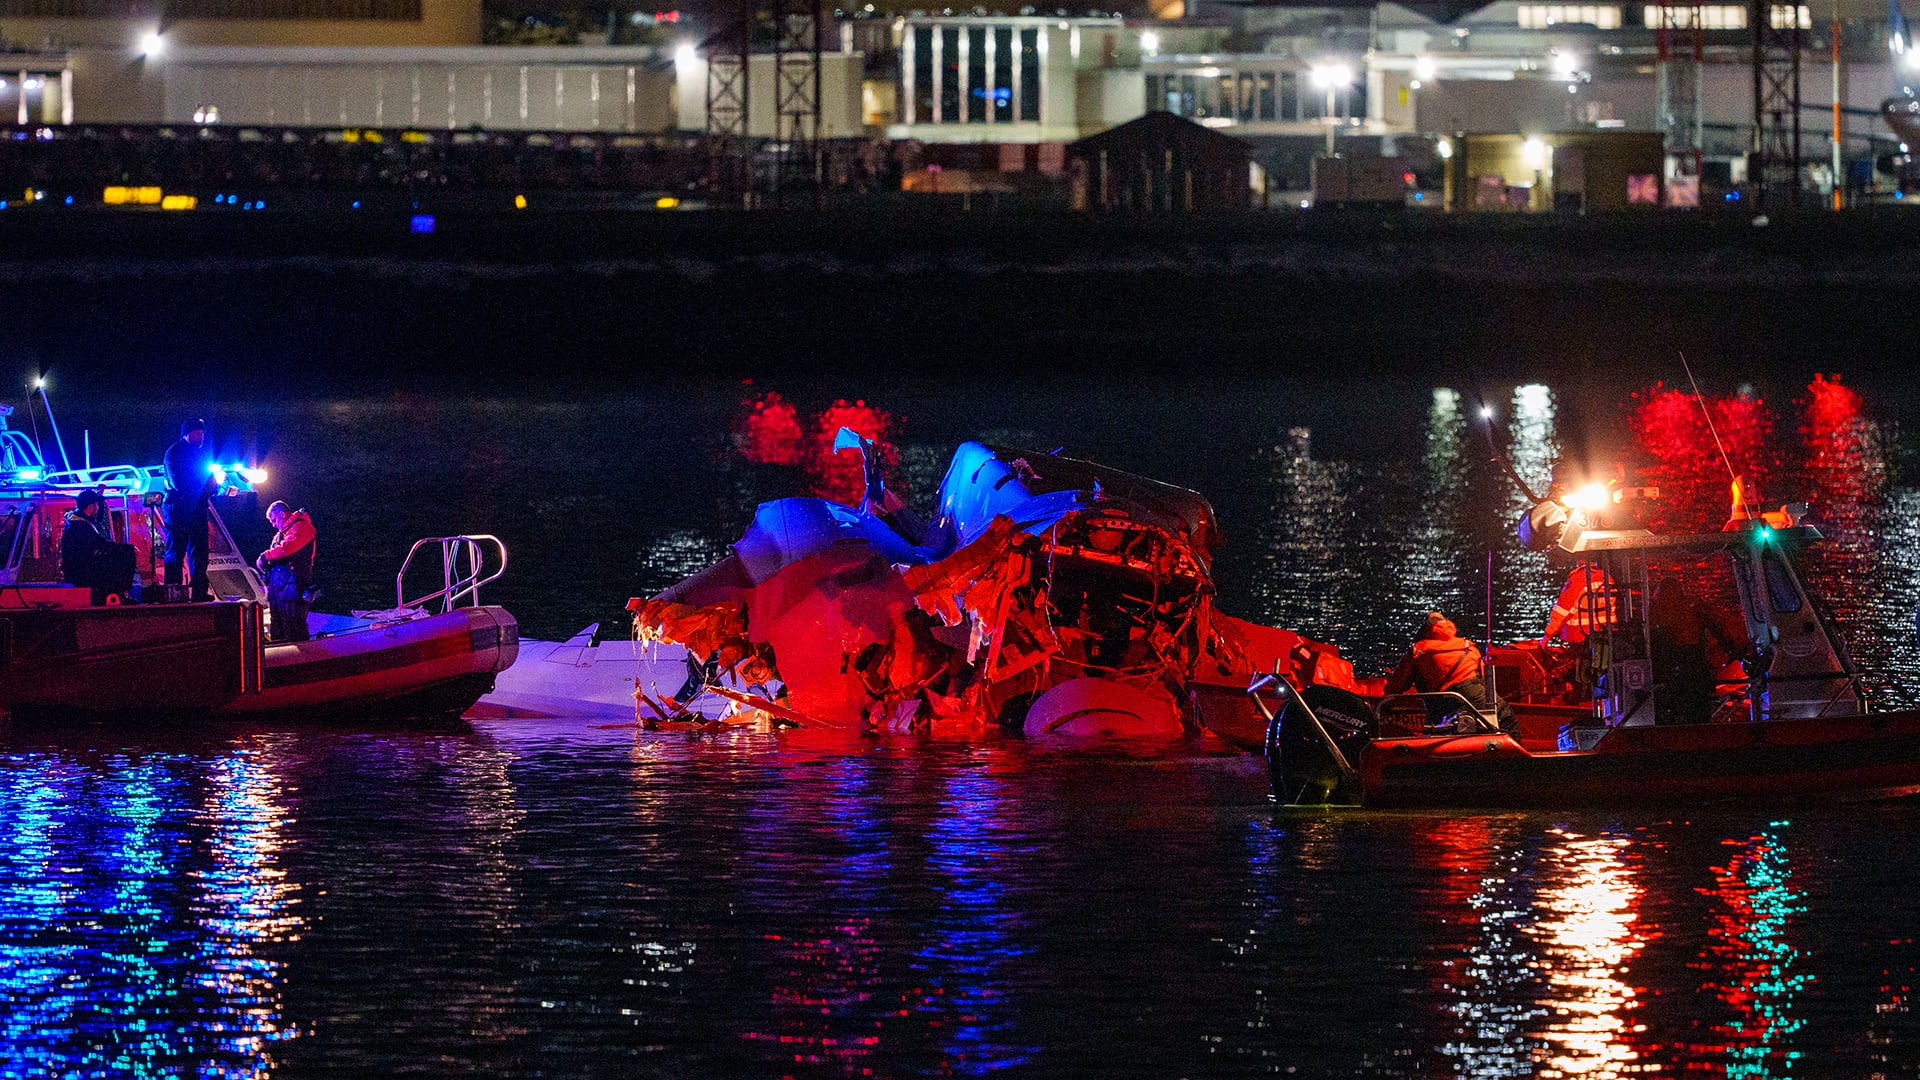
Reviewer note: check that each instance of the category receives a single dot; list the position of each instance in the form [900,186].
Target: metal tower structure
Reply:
[1680,38]
[797,167]
[729,150]
[1773,167]
[790,172]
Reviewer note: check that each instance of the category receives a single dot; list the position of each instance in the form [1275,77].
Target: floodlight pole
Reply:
[41,385]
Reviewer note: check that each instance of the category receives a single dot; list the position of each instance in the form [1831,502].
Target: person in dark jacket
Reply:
[1688,636]
[288,566]
[189,499]
[89,556]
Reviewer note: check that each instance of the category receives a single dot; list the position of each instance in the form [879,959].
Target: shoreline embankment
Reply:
[326,297]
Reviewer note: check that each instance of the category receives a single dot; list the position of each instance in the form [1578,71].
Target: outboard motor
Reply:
[1303,767]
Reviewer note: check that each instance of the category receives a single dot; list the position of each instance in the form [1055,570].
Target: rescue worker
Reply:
[1440,659]
[288,567]
[88,554]
[1682,628]
[190,487]
[1585,605]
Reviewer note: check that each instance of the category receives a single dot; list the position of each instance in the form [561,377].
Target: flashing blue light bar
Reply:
[29,474]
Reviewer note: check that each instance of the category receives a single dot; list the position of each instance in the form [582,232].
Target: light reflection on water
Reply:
[572,900]
[244,901]
[1754,964]
[1587,937]
[1491,981]
[137,895]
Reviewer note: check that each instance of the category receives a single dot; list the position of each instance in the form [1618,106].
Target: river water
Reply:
[562,899]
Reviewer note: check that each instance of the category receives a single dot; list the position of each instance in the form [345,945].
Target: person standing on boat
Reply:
[1585,605]
[89,556]
[1439,660]
[1684,633]
[190,486]
[288,566]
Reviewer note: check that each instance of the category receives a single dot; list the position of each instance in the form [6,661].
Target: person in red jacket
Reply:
[288,566]
[1585,605]
[1440,659]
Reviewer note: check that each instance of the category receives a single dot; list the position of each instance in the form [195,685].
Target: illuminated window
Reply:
[402,10]
[1712,16]
[1782,16]
[1542,16]
[1029,77]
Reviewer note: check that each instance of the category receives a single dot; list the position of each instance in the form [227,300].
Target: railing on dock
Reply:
[463,569]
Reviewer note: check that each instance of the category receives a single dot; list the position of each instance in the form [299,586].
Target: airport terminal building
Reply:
[1293,80]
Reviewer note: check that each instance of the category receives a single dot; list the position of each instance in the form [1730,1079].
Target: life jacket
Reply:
[1439,660]
[1443,663]
[1586,604]
[295,546]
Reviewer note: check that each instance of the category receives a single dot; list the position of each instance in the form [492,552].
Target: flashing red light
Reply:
[666,16]
[1408,177]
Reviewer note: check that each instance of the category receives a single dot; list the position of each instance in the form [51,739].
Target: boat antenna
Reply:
[32,417]
[1513,474]
[40,384]
[1701,400]
[1500,457]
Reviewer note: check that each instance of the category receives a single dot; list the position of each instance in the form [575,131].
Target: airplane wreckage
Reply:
[1045,593]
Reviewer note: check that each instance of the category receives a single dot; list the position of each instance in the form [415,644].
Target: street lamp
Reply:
[1331,78]
[1535,154]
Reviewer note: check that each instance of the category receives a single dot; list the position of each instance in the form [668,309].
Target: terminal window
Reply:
[971,75]
[398,10]
[1244,97]
[1712,16]
[1542,16]
[1785,17]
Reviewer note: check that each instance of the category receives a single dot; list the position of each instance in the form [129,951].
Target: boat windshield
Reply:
[1780,581]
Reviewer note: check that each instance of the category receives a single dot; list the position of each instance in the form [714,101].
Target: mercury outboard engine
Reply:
[1304,768]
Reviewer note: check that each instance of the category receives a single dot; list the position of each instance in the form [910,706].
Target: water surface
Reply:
[561,899]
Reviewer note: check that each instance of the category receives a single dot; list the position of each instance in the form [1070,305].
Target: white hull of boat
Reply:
[439,664]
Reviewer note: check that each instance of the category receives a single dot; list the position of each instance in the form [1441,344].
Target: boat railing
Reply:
[464,567]
[1280,687]
[1485,721]
[132,476]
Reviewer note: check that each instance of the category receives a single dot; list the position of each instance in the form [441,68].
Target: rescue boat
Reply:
[1796,724]
[430,656]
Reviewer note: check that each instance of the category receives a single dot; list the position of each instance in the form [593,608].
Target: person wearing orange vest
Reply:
[1440,659]
[1585,605]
